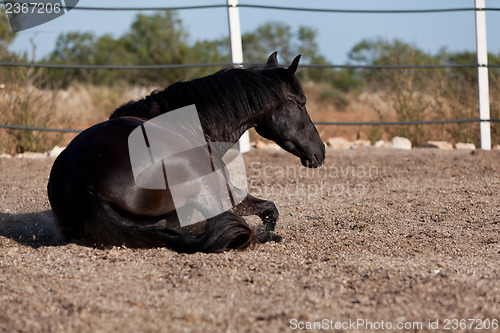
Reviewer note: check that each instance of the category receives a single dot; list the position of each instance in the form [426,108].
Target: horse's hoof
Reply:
[268,236]
[275,237]
[270,226]
[270,215]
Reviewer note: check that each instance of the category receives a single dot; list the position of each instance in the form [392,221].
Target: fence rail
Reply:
[415,122]
[328,123]
[40,129]
[370,11]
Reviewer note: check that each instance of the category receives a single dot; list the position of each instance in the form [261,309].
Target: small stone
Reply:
[3,155]
[465,146]
[54,152]
[361,143]
[401,143]
[260,145]
[439,144]
[31,155]
[380,144]
[273,146]
[338,143]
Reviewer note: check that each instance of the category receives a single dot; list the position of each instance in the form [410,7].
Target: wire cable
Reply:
[71,66]
[40,129]
[366,11]
[127,8]
[396,123]
[227,64]
[323,123]
[305,9]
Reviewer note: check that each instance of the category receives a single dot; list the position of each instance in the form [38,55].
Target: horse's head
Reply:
[288,124]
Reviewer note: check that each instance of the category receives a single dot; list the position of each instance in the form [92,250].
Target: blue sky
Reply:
[337,33]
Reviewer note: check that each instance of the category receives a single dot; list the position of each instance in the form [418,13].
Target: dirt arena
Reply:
[377,240]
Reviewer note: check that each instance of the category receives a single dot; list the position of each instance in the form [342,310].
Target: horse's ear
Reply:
[273,59]
[293,67]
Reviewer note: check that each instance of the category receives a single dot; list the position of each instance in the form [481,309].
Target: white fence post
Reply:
[482,75]
[237,55]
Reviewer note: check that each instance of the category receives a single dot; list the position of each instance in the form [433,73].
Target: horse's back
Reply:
[96,165]
[96,157]
[95,154]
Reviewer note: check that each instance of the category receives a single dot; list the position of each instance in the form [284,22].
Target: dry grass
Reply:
[28,106]
[77,107]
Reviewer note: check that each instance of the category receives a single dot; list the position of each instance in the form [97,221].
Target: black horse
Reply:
[92,189]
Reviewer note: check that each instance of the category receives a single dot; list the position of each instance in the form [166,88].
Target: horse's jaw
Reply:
[311,157]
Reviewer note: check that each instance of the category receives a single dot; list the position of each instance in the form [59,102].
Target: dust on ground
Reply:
[378,235]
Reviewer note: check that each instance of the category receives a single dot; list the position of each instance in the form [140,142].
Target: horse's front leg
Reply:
[264,209]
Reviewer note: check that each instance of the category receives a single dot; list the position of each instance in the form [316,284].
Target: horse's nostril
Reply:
[317,159]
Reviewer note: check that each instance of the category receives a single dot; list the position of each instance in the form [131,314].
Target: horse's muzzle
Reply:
[314,161]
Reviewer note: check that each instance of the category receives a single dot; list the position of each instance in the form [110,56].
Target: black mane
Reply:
[217,97]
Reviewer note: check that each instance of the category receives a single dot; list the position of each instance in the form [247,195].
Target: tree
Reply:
[407,89]
[153,39]
[277,36]
[267,38]
[308,46]
[73,48]
[6,36]
[208,51]
[157,39]
[161,38]
[13,75]
[382,52]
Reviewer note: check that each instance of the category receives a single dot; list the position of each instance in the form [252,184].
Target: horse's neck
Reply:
[224,117]
[228,103]
[227,130]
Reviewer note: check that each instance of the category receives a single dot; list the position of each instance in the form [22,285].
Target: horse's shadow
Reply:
[32,229]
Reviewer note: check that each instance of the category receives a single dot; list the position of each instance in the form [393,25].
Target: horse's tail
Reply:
[96,222]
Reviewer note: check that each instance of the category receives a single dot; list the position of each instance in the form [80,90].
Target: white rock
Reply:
[338,143]
[439,144]
[273,146]
[29,154]
[54,152]
[3,155]
[360,143]
[497,147]
[379,144]
[260,145]
[401,143]
[466,146]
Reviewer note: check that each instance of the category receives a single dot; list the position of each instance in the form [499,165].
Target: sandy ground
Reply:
[377,239]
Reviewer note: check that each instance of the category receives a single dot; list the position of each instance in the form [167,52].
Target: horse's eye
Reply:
[302,100]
